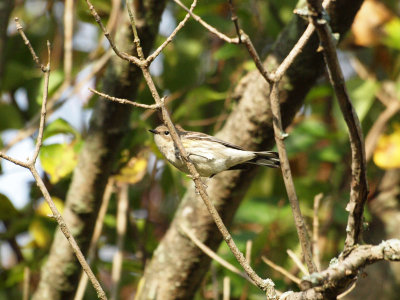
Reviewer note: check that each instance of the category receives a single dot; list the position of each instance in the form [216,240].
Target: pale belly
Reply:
[210,165]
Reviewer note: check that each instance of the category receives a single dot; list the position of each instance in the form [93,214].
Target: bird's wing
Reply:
[206,137]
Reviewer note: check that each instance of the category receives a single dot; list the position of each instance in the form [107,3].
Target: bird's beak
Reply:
[153,131]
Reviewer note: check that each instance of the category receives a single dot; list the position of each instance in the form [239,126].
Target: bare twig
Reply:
[68,33]
[254,55]
[28,44]
[359,185]
[27,279]
[125,101]
[227,288]
[344,294]
[297,261]
[288,179]
[249,246]
[315,236]
[212,254]
[53,103]
[235,19]
[296,50]
[207,26]
[123,55]
[122,211]
[30,164]
[151,57]
[98,228]
[281,270]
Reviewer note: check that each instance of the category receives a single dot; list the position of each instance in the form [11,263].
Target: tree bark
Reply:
[178,266]
[107,128]
[6,7]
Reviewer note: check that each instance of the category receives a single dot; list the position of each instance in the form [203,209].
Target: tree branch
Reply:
[359,185]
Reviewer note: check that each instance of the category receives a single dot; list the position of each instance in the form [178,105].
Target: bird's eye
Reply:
[166,132]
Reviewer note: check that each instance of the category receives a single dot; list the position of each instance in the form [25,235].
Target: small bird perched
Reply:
[209,154]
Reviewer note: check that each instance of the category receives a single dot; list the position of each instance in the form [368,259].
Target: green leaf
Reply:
[17,75]
[392,30]
[58,160]
[9,117]
[330,154]
[362,94]
[7,209]
[60,126]
[197,97]
[227,51]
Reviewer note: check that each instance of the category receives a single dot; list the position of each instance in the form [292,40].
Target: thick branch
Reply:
[331,282]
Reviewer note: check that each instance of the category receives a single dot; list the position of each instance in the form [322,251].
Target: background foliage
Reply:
[199,73]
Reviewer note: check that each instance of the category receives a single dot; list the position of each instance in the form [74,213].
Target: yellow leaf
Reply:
[40,233]
[387,152]
[133,172]
[44,209]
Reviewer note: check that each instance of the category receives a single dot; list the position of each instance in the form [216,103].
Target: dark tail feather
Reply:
[265,158]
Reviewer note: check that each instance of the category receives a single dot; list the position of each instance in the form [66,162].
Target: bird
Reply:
[209,154]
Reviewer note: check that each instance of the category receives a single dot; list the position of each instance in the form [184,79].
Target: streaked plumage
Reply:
[209,154]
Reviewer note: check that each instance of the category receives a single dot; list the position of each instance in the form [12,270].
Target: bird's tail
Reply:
[266,158]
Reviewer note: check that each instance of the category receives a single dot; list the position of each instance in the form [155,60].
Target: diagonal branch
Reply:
[30,164]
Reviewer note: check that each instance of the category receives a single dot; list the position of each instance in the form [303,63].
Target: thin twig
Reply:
[98,228]
[125,101]
[42,122]
[207,26]
[296,50]
[55,102]
[122,211]
[249,246]
[123,55]
[315,236]
[281,270]
[344,294]
[288,179]
[30,164]
[256,58]
[212,254]
[226,293]
[28,44]
[68,33]
[151,57]
[27,280]
[235,19]
[297,261]
[359,185]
